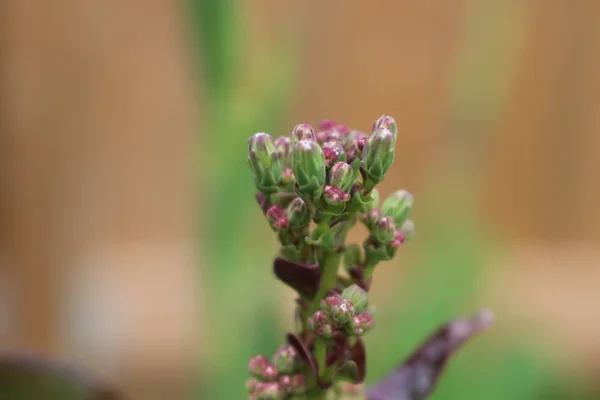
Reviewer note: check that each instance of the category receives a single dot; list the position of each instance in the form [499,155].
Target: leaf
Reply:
[25,377]
[417,377]
[304,278]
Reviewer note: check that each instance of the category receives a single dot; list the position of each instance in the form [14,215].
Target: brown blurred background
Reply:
[100,116]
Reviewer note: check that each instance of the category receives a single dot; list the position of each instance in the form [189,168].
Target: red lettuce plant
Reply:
[313,187]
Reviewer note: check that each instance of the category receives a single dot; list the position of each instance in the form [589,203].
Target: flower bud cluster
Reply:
[278,379]
[342,314]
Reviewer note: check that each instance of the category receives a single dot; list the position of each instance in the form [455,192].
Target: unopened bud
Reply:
[270,373]
[398,206]
[357,296]
[318,319]
[251,384]
[378,156]
[277,217]
[257,365]
[283,146]
[297,384]
[342,176]
[264,162]
[298,213]
[287,178]
[384,230]
[309,166]
[398,240]
[408,227]
[285,382]
[339,308]
[335,196]
[333,151]
[303,132]
[371,201]
[371,218]
[324,331]
[285,359]
[385,122]
[268,391]
[360,324]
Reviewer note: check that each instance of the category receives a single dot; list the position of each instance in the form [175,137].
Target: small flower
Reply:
[384,230]
[357,296]
[264,162]
[398,206]
[285,359]
[277,216]
[303,132]
[385,122]
[342,176]
[298,213]
[257,364]
[335,196]
[333,151]
[360,324]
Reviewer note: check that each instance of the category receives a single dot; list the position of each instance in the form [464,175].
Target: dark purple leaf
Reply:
[26,376]
[417,377]
[304,278]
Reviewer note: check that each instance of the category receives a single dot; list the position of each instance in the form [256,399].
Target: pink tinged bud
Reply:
[285,382]
[287,177]
[303,132]
[283,147]
[298,213]
[327,124]
[298,384]
[398,240]
[285,359]
[354,326]
[361,143]
[268,391]
[320,317]
[330,301]
[385,122]
[384,230]
[335,196]
[371,218]
[257,364]
[341,175]
[324,331]
[343,129]
[366,320]
[342,312]
[333,151]
[270,373]
[277,216]
[251,385]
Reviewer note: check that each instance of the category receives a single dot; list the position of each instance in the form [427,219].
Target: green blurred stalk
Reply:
[236,299]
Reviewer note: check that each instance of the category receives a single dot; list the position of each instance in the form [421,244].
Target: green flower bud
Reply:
[357,296]
[335,196]
[298,213]
[309,167]
[303,132]
[384,230]
[408,228]
[342,176]
[283,145]
[264,162]
[360,324]
[385,122]
[352,256]
[398,206]
[339,308]
[378,157]
[287,178]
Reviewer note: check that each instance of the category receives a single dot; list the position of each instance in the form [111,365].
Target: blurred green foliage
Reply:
[453,246]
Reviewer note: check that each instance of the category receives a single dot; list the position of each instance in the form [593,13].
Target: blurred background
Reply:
[129,238]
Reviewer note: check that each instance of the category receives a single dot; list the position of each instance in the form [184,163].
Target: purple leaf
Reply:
[304,278]
[417,377]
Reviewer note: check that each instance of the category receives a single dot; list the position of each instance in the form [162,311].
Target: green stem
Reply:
[329,268]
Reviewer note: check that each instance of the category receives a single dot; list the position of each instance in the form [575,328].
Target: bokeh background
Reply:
[129,238]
